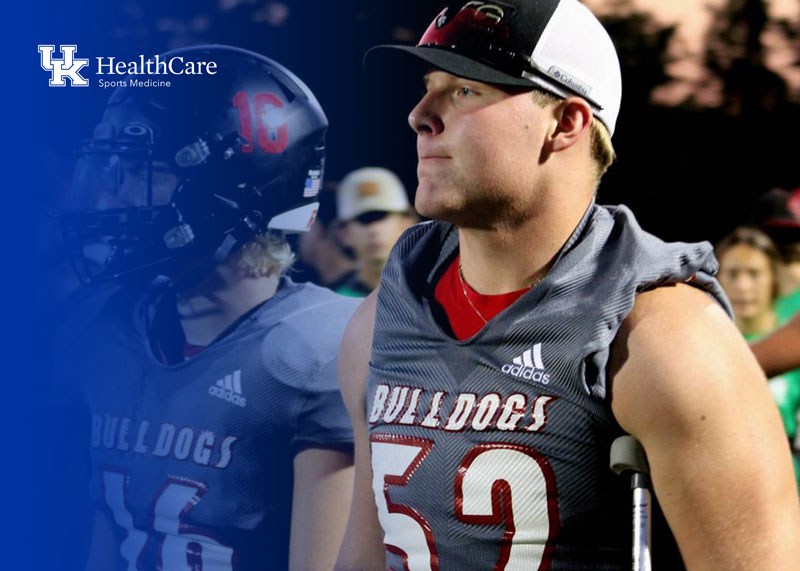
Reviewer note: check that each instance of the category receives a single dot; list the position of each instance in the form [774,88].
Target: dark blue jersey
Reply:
[493,452]
[192,462]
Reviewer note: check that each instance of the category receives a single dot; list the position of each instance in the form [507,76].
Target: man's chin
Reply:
[431,201]
[438,210]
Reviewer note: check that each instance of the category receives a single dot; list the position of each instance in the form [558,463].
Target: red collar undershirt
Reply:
[463,319]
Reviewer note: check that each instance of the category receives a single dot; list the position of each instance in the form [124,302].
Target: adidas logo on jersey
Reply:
[528,366]
[229,388]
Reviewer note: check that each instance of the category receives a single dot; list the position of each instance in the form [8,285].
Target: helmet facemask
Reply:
[182,177]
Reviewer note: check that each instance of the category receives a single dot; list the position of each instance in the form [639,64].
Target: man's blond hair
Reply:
[603,154]
[265,255]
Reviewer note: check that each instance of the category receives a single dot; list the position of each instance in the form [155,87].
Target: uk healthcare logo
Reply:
[68,67]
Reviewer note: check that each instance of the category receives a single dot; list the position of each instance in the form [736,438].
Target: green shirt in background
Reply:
[786,388]
[787,306]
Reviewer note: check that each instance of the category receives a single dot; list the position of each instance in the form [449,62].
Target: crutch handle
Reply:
[627,455]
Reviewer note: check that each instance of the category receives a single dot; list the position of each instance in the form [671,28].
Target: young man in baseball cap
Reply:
[373,208]
[521,331]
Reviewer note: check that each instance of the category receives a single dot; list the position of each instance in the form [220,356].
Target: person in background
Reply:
[778,215]
[373,208]
[321,250]
[749,265]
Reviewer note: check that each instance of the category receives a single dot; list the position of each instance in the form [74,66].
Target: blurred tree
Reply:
[642,44]
[736,57]
[693,171]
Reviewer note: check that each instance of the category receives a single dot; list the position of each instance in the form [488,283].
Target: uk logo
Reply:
[67,67]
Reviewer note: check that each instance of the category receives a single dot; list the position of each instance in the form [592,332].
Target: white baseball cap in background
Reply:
[370,189]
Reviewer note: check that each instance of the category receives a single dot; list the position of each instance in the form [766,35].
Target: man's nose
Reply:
[426,117]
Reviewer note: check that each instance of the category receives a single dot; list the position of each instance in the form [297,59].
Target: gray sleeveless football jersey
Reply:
[492,453]
[192,463]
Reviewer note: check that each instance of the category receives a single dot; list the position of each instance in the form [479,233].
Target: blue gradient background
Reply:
[21,371]
[317,40]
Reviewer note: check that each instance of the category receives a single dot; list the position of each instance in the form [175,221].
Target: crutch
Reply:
[627,456]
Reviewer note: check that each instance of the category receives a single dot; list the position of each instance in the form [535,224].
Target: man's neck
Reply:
[506,259]
[217,302]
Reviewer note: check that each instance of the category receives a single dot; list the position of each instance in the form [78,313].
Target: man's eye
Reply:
[465,90]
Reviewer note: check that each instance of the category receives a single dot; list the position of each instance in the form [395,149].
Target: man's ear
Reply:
[573,117]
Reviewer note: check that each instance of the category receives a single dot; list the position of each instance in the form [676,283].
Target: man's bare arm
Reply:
[686,385]
[362,548]
[780,351]
[323,483]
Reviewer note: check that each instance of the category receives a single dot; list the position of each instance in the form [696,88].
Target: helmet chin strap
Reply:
[191,277]
[229,244]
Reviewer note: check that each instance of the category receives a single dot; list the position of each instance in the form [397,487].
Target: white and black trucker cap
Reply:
[556,45]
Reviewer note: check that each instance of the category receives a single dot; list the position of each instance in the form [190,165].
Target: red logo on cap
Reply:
[793,204]
[477,24]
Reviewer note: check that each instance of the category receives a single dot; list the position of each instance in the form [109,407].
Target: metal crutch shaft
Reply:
[627,456]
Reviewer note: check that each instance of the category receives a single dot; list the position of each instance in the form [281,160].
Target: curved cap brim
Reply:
[448,61]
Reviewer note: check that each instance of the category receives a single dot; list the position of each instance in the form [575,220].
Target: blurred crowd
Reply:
[760,273]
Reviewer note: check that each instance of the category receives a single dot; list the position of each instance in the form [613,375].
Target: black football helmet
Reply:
[195,170]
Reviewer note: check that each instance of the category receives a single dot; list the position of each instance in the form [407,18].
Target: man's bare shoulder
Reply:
[676,303]
[677,344]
